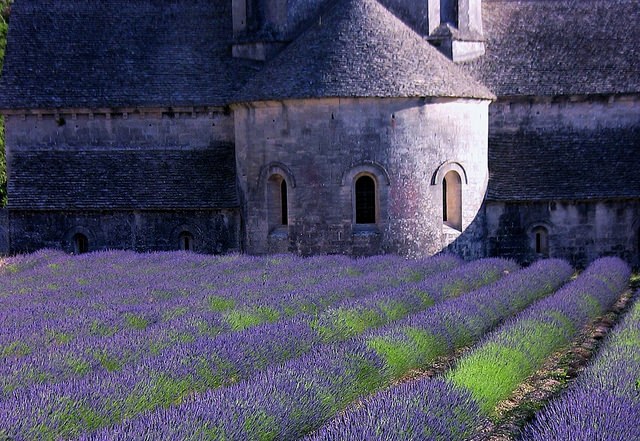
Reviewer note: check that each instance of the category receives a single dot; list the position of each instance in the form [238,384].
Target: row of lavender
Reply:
[604,403]
[453,407]
[292,399]
[128,288]
[64,405]
[55,336]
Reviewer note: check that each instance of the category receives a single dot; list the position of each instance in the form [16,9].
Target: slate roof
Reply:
[118,53]
[360,49]
[560,47]
[123,179]
[598,164]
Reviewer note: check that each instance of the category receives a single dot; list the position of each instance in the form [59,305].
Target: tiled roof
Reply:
[123,179]
[598,164]
[360,49]
[118,53]
[560,47]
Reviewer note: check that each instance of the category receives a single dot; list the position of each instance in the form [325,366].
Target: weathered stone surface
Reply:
[321,146]
[360,49]
[105,162]
[578,231]
[560,47]
[140,130]
[213,231]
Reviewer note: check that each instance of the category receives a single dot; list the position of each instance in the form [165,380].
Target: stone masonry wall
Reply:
[135,129]
[213,231]
[562,113]
[320,146]
[578,231]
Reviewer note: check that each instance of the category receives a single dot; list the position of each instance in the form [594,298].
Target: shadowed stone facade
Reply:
[577,231]
[491,127]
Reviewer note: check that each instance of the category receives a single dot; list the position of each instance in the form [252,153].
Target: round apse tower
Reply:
[361,138]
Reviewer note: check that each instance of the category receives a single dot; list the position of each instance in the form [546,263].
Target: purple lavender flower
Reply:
[604,402]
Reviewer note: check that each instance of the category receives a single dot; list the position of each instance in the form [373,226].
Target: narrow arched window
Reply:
[365,192]
[186,241]
[541,240]
[284,210]
[277,202]
[80,243]
[452,200]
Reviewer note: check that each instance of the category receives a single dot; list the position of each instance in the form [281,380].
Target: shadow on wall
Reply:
[470,243]
[578,232]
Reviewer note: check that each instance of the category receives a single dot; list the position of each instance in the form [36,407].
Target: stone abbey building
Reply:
[488,127]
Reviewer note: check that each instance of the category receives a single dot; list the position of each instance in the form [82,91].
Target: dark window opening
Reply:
[277,203]
[284,215]
[444,200]
[365,200]
[449,12]
[186,241]
[538,242]
[541,241]
[80,243]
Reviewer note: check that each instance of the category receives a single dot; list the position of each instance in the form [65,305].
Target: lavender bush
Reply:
[111,335]
[492,370]
[315,386]
[417,410]
[604,403]
[417,340]
[518,348]
[122,317]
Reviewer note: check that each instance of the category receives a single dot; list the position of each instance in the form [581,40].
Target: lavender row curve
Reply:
[506,357]
[604,402]
[292,399]
[424,416]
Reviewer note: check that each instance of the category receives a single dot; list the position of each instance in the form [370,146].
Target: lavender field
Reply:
[118,346]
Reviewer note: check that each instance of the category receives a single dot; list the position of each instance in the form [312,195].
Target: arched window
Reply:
[540,240]
[452,200]
[80,243]
[277,202]
[365,203]
[284,211]
[186,241]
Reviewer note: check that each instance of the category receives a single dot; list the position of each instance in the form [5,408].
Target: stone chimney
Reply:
[459,33]
[453,26]
[261,28]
